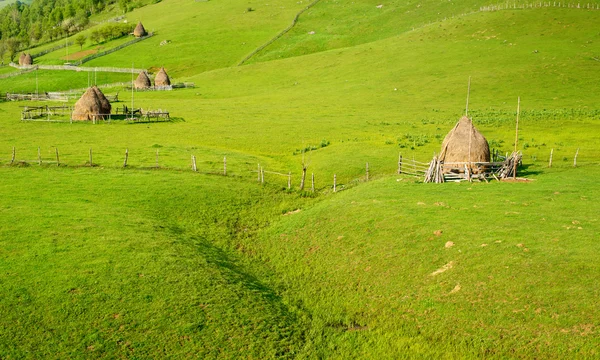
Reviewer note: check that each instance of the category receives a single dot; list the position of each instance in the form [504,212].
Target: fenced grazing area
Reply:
[63,114]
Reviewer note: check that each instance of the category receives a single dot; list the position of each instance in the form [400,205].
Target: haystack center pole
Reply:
[468,93]
[516,138]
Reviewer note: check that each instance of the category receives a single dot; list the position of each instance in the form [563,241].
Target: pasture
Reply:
[160,261]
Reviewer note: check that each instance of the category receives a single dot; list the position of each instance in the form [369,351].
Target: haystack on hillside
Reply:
[92,105]
[464,144]
[21,59]
[28,60]
[162,79]
[139,30]
[142,81]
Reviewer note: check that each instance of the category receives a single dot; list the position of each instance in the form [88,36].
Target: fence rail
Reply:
[112,50]
[75,68]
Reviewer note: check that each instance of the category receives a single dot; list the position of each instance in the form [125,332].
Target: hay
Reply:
[139,30]
[28,60]
[92,105]
[464,144]
[106,107]
[162,79]
[21,59]
[142,81]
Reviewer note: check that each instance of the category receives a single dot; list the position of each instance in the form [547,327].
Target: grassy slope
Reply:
[263,112]
[347,97]
[333,24]
[522,282]
[137,267]
[203,35]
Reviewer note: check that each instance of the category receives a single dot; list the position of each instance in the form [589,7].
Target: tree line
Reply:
[24,25]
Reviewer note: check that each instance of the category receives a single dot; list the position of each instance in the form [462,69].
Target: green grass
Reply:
[333,24]
[128,272]
[349,274]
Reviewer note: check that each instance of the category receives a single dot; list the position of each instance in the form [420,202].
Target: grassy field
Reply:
[163,262]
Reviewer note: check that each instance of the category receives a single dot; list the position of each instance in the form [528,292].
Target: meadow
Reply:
[149,261]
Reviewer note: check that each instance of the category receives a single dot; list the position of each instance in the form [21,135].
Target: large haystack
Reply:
[28,60]
[139,30]
[142,81]
[464,144]
[106,107]
[92,105]
[21,59]
[162,79]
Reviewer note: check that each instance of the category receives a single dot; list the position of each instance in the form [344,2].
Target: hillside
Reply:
[155,260]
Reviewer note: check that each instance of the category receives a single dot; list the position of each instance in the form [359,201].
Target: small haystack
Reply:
[162,79]
[92,105]
[28,60]
[142,81]
[139,30]
[464,144]
[21,59]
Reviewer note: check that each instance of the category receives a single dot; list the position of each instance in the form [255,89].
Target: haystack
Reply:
[28,60]
[21,59]
[106,108]
[142,81]
[139,30]
[464,144]
[162,79]
[92,105]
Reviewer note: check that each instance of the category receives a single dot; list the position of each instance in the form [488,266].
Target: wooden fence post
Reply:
[262,175]
[126,157]
[224,165]
[575,159]
[367,171]
[14,153]
[57,159]
[289,180]
[550,162]
[194,168]
[91,163]
[258,172]
[400,164]
[334,182]
[312,184]
[39,156]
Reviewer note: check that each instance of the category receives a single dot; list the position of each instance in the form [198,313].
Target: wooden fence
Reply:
[112,50]
[76,68]
[411,168]
[541,4]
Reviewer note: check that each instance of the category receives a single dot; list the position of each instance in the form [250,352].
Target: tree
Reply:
[80,40]
[2,51]
[12,46]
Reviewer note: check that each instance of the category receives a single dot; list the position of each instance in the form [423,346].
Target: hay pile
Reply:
[28,60]
[162,79]
[21,59]
[142,81]
[139,30]
[92,105]
[464,144]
